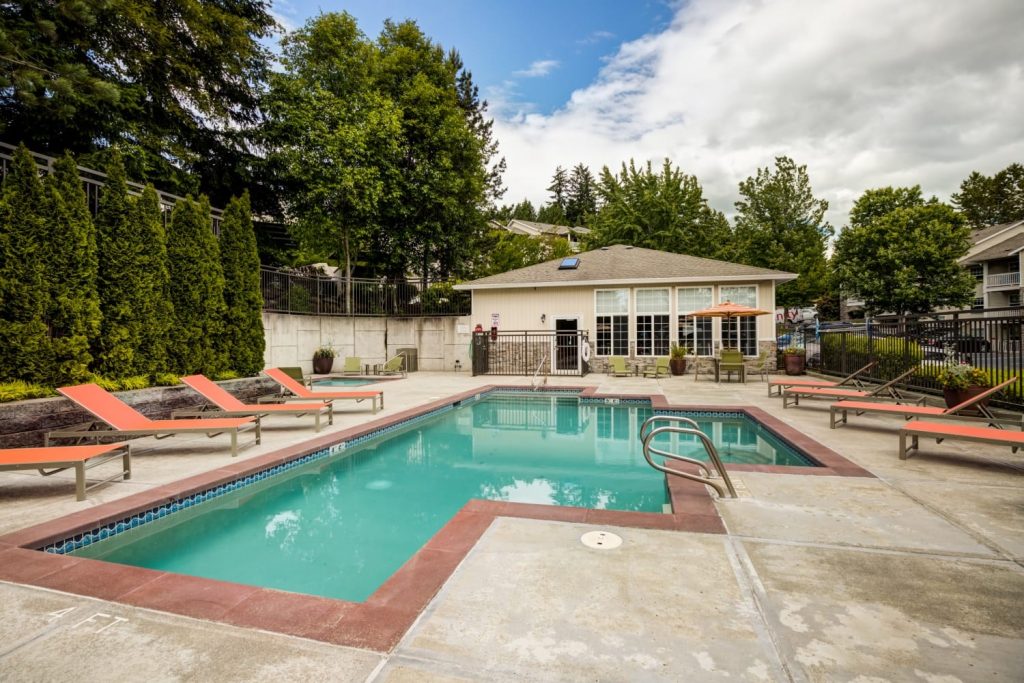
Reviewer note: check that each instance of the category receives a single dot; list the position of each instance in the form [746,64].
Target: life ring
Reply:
[585,352]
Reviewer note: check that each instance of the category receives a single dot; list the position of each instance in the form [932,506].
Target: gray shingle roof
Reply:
[625,264]
[1001,249]
[546,228]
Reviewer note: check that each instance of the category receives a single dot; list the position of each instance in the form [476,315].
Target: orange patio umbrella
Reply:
[727,310]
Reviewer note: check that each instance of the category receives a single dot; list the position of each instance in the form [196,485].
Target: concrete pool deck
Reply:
[915,574]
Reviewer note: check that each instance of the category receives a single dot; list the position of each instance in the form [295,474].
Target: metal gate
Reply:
[523,352]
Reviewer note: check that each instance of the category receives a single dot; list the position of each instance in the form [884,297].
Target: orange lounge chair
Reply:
[229,406]
[301,393]
[909,412]
[791,395]
[62,458]
[119,419]
[781,383]
[942,430]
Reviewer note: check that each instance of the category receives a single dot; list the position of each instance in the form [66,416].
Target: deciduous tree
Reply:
[992,200]
[900,253]
[780,225]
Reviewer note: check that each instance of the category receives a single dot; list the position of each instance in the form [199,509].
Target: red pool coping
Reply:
[380,622]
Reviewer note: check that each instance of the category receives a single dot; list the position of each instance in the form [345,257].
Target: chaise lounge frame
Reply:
[791,395]
[223,404]
[117,418]
[783,382]
[941,431]
[301,393]
[61,458]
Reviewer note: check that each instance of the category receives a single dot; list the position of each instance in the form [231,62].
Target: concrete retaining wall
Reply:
[291,339]
[24,423]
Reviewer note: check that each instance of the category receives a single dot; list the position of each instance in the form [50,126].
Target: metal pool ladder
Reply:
[533,382]
[713,478]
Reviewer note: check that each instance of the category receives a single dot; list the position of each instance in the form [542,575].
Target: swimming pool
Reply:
[340,525]
[343,382]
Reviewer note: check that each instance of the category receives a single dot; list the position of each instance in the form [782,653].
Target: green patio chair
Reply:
[761,366]
[296,374]
[617,366]
[659,366]
[731,361]
[395,366]
[353,366]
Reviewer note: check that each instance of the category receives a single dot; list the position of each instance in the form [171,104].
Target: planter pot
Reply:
[322,366]
[677,365]
[955,397]
[794,363]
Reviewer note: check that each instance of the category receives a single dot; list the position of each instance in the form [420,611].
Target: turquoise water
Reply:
[340,526]
[342,382]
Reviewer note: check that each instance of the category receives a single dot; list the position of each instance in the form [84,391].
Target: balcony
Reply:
[1002,281]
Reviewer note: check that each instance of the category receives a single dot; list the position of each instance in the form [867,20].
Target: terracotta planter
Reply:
[955,397]
[794,363]
[677,365]
[322,366]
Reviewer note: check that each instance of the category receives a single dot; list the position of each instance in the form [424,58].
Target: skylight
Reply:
[571,263]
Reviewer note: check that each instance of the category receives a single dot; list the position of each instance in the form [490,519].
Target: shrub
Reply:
[224,375]
[20,391]
[165,379]
[895,355]
[960,376]
[197,289]
[438,297]
[243,323]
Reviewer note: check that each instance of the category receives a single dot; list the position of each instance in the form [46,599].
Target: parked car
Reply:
[962,342]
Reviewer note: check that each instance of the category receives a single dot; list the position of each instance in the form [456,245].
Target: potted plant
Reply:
[677,359]
[323,360]
[960,381]
[794,360]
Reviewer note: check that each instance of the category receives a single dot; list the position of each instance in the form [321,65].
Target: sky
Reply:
[865,93]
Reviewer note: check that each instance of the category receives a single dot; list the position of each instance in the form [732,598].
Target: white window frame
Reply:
[681,316]
[737,322]
[637,317]
[612,338]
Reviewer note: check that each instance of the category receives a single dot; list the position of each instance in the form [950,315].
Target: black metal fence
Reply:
[288,291]
[988,339]
[529,352]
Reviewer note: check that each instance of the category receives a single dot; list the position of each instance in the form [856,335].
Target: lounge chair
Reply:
[940,431]
[297,392]
[909,412]
[116,418]
[617,367]
[353,366]
[780,383]
[228,406]
[761,365]
[395,366]
[61,458]
[731,360]
[295,373]
[882,391]
[659,366]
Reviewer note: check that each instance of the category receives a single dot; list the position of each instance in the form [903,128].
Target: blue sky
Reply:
[530,54]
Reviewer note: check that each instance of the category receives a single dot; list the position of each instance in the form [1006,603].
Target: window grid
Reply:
[652,335]
[694,333]
[612,335]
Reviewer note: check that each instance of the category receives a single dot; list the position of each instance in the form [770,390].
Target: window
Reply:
[612,318]
[979,302]
[740,333]
[977,272]
[694,333]
[1014,299]
[652,315]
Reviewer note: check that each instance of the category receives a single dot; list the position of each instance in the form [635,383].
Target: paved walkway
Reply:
[915,575]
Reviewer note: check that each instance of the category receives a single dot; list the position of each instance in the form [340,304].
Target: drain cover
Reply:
[601,540]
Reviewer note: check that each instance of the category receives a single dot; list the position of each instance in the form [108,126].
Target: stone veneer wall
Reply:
[440,341]
[24,423]
[600,365]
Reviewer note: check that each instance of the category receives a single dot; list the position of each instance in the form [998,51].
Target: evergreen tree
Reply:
[70,271]
[121,278]
[780,225]
[524,211]
[581,202]
[243,323]
[156,310]
[25,349]
[197,289]
[551,213]
[559,189]
[665,210]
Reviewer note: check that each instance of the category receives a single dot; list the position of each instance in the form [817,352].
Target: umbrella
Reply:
[727,310]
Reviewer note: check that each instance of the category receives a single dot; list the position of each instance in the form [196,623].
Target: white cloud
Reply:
[542,67]
[596,37]
[866,94]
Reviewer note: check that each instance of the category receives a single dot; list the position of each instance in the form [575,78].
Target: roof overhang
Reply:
[777,277]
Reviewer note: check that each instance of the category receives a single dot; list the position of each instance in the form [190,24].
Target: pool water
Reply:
[340,526]
[342,382]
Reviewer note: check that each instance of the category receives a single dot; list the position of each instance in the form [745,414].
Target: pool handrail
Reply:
[709,447]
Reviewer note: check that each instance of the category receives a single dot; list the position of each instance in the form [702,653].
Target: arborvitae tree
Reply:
[243,322]
[25,351]
[121,275]
[70,270]
[197,289]
[157,310]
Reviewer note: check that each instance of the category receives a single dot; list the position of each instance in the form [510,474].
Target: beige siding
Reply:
[521,308]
